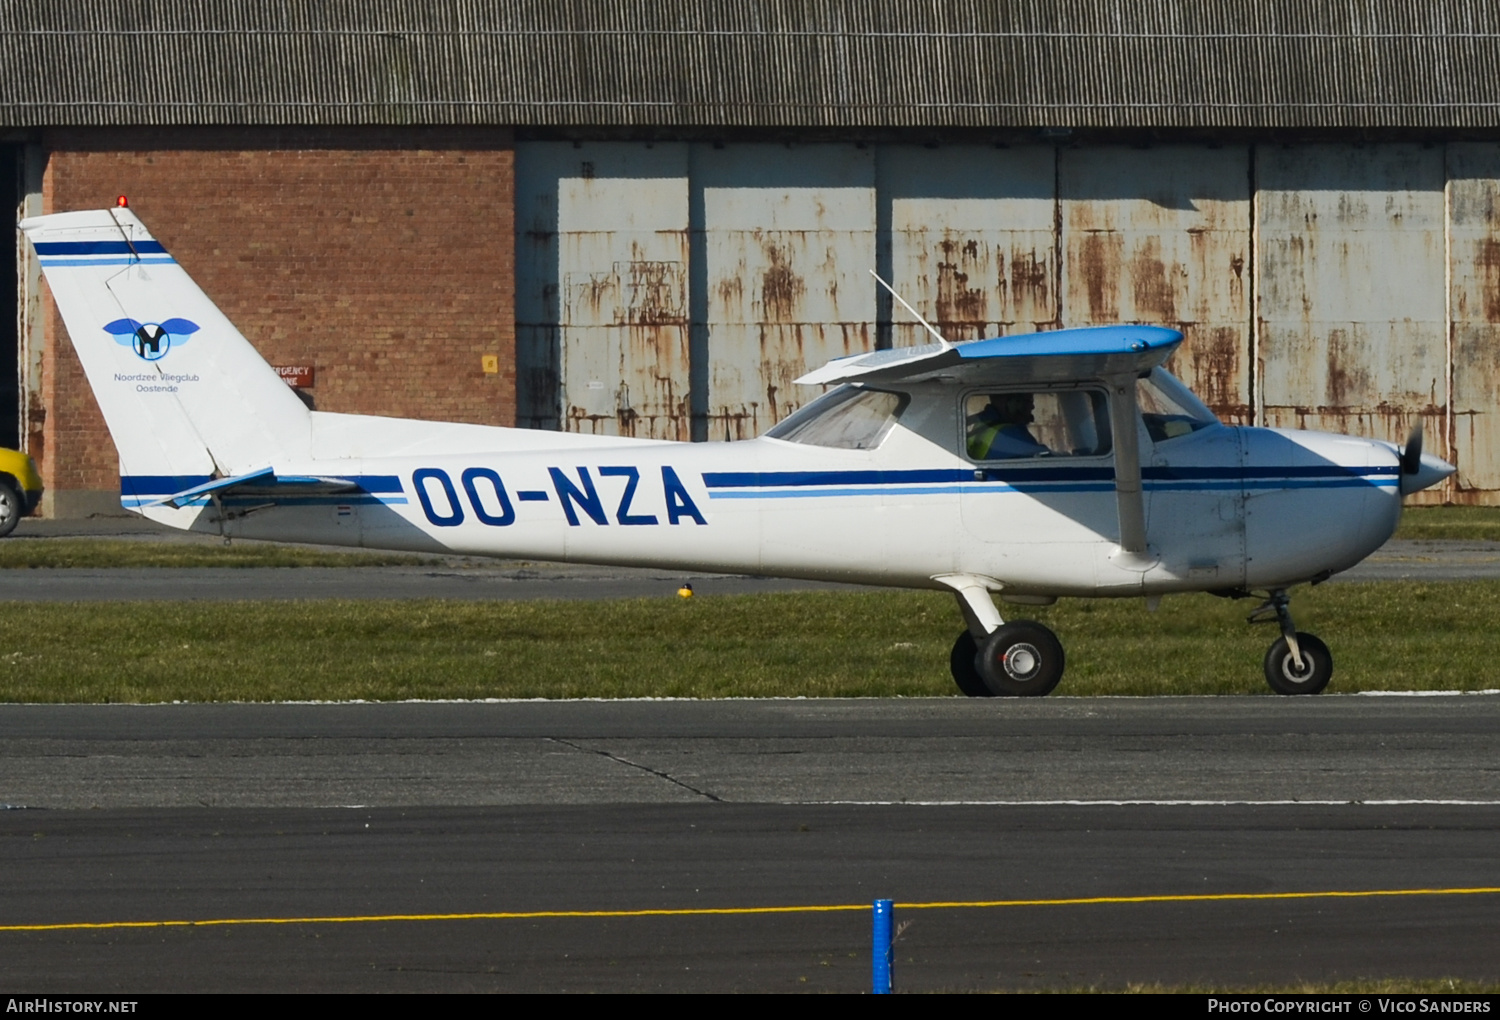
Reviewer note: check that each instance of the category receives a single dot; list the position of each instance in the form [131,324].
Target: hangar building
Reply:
[647,218]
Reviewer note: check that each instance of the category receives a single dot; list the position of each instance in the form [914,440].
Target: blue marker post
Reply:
[882,977]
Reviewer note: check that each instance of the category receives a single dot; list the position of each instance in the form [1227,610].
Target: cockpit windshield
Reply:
[1169,408]
[848,418]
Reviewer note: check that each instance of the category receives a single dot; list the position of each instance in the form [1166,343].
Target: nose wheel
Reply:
[1287,676]
[1296,663]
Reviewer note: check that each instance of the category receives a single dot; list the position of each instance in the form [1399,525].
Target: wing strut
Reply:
[1123,414]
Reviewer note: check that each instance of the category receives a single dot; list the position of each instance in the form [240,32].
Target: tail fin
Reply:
[184,394]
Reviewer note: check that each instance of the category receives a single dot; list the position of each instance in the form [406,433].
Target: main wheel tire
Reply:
[12,508]
[965,672]
[1282,672]
[1021,659]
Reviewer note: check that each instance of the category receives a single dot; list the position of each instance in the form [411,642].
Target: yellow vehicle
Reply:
[20,489]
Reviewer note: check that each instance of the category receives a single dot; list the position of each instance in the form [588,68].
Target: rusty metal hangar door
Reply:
[674,290]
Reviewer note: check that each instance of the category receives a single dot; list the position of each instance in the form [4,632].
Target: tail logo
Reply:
[151,340]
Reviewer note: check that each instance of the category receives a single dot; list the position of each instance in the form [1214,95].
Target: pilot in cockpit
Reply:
[1000,430]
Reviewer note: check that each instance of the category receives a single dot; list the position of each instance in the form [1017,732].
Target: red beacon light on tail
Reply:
[122,202]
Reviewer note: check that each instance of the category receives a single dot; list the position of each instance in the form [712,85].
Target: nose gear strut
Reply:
[1280,605]
[1297,663]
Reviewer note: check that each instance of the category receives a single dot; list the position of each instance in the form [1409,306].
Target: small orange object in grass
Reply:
[686,591]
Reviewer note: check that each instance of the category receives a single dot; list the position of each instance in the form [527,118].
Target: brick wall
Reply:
[382,256]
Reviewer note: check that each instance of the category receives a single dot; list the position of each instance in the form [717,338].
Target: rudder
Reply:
[184,394]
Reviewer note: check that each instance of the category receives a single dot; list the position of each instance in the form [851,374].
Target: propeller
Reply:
[1411,453]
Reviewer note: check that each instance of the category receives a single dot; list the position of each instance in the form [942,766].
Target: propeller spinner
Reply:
[1419,472]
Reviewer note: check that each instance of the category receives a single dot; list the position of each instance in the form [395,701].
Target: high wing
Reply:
[1115,354]
[1056,356]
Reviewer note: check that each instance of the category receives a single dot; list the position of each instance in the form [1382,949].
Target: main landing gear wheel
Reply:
[1283,673]
[965,672]
[1021,659]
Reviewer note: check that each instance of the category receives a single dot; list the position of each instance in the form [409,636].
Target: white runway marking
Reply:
[1421,694]
[1157,803]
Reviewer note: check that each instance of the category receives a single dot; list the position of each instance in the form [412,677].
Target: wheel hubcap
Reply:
[1022,661]
[1291,672]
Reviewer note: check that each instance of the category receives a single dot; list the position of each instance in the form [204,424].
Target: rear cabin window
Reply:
[1019,425]
[849,418]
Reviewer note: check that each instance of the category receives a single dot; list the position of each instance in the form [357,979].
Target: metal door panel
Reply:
[1474,312]
[1162,236]
[788,237]
[539,165]
[623,292]
[973,240]
[1350,282]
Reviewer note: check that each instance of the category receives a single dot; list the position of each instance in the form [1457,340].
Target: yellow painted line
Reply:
[1205,898]
[521,915]
[517,915]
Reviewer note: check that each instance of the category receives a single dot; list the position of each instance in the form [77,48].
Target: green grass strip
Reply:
[1400,636]
[104,553]
[1465,523]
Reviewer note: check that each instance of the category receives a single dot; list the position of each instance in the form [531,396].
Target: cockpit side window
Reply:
[849,418]
[1016,425]
[1169,408]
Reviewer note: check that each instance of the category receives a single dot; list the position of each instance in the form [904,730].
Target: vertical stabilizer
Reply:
[183,393]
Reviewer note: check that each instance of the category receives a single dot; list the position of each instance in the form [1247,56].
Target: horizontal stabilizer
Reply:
[1055,356]
[264,483]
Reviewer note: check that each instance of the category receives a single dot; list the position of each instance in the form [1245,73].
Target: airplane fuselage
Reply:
[1226,508]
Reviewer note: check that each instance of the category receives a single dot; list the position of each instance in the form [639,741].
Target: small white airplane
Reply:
[1058,464]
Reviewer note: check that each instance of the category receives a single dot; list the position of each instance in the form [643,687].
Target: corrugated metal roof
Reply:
[1084,63]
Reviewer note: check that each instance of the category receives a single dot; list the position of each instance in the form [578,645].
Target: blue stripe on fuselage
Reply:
[798,479]
[1246,473]
[376,483]
[156,486]
[160,485]
[1036,480]
[337,499]
[1032,475]
[157,260]
[45,248]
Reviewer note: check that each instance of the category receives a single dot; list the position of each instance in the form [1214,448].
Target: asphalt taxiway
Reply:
[390,847]
[355,873]
[930,750]
[379,825]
